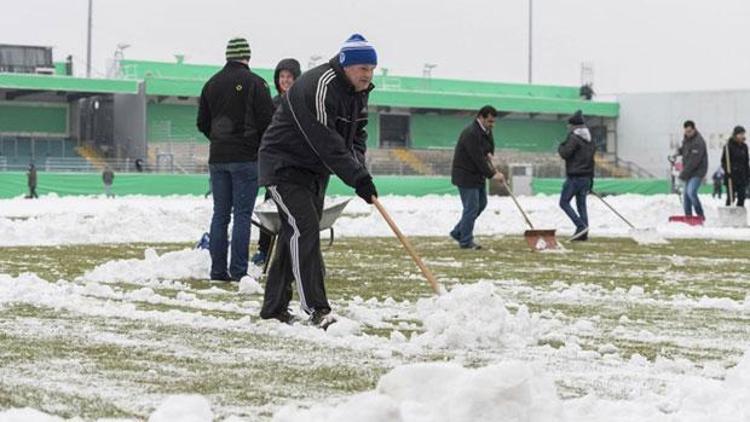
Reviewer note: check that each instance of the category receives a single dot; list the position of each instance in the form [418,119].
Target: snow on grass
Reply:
[610,326]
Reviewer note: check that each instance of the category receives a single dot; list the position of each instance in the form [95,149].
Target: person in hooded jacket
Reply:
[287,71]
[738,170]
[578,151]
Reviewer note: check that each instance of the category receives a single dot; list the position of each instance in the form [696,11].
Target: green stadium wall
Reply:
[33,119]
[13,184]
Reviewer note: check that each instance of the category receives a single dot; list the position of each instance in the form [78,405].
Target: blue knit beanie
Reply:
[356,50]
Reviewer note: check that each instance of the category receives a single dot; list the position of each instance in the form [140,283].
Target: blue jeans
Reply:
[234,186]
[474,201]
[691,197]
[577,187]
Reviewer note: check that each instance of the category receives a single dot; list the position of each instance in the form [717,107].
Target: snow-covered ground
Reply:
[54,220]
[500,348]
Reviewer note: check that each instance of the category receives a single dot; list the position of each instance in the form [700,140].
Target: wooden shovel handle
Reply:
[407,245]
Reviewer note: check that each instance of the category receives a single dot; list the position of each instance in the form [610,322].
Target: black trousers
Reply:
[739,190]
[264,241]
[297,258]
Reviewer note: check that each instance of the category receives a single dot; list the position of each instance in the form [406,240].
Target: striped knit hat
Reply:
[356,50]
[238,49]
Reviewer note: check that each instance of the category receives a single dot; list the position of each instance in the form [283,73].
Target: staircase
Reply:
[411,160]
[611,166]
[92,156]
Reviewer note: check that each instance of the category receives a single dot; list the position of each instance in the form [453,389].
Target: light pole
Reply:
[531,40]
[88,41]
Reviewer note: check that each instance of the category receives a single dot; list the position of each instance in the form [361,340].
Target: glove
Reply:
[366,189]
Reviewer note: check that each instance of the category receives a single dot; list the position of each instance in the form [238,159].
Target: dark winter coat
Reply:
[318,130]
[108,176]
[290,65]
[694,157]
[738,159]
[578,151]
[234,111]
[471,166]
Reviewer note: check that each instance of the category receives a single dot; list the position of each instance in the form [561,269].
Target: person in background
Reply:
[108,177]
[578,151]
[718,178]
[472,166]
[31,178]
[287,71]
[234,111]
[738,170]
[694,167]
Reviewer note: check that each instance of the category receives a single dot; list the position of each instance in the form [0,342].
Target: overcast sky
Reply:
[634,45]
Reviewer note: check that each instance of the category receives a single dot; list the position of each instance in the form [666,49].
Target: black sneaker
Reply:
[472,246]
[285,317]
[321,319]
[454,236]
[580,235]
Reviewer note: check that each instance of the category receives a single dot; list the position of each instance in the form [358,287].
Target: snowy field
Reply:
[105,313]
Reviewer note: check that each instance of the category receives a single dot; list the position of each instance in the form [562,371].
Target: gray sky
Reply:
[635,45]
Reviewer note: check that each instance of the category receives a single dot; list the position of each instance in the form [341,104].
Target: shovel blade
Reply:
[540,240]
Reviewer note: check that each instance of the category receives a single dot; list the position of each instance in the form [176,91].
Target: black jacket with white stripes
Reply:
[318,130]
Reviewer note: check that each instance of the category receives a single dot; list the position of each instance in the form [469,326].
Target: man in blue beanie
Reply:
[318,130]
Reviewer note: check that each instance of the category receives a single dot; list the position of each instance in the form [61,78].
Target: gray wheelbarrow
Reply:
[269,221]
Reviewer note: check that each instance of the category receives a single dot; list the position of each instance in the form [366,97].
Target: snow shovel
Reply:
[409,248]
[642,236]
[538,240]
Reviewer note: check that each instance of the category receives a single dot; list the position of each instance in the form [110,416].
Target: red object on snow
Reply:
[690,220]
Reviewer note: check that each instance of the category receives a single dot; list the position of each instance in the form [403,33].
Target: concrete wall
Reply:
[130,125]
[650,125]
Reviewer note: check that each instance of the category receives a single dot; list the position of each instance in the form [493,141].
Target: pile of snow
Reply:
[474,315]
[438,392]
[183,408]
[250,286]
[514,391]
[178,265]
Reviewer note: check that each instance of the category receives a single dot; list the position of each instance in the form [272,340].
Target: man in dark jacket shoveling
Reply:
[319,130]
[694,167]
[472,166]
[578,151]
[738,170]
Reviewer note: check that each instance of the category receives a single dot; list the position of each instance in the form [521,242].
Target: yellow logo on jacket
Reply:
[238,87]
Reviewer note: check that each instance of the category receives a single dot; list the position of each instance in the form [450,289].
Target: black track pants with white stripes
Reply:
[297,257]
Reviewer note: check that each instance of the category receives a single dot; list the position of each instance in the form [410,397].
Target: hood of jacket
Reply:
[582,132]
[291,65]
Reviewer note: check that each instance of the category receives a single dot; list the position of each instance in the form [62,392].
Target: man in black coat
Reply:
[578,151]
[694,167]
[736,167]
[472,166]
[287,71]
[234,111]
[319,130]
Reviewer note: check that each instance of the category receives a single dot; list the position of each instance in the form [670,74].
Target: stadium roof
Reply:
[186,80]
[30,82]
